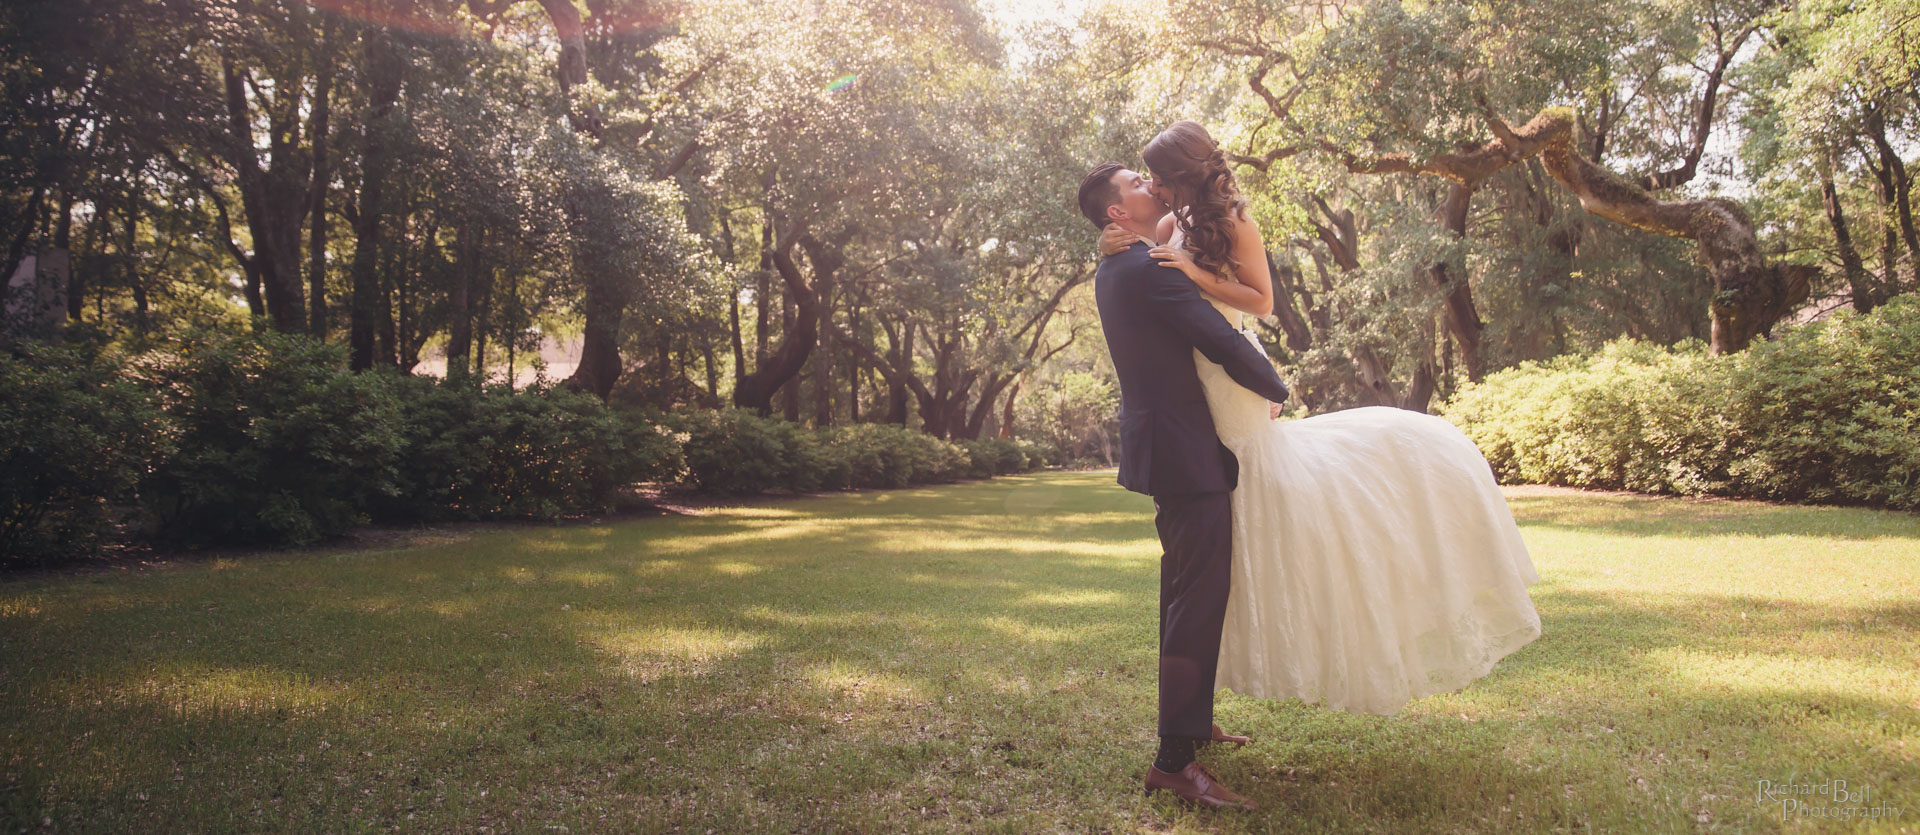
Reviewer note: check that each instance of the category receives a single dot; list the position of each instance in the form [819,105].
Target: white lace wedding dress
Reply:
[1374,558]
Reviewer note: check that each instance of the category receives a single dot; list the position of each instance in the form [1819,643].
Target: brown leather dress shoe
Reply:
[1234,740]
[1195,784]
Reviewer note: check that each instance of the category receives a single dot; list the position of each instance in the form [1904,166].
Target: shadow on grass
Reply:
[974,656]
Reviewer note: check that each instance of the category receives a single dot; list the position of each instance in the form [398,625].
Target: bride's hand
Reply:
[1114,240]
[1178,259]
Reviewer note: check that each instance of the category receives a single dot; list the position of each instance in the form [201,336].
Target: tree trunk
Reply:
[1601,127]
[467,247]
[1858,281]
[1420,390]
[1750,296]
[897,368]
[572,67]
[1375,377]
[713,369]
[603,306]
[250,289]
[1889,240]
[790,398]
[483,318]
[798,339]
[63,239]
[989,395]
[663,364]
[733,310]
[1287,287]
[1006,412]
[33,215]
[853,364]
[1893,172]
[396,298]
[1703,116]
[900,355]
[739,348]
[17,246]
[823,362]
[130,225]
[790,391]
[599,341]
[762,289]
[933,408]
[275,199]
[383,92]
[1462,319]
[1341,234]
[317,207]
[405,347]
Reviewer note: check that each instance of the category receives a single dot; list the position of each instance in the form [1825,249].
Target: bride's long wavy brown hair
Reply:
[1187,160]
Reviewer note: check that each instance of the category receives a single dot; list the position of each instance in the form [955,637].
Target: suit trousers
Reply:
[1196,542]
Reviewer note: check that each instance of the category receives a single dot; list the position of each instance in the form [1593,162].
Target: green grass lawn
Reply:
[977,656]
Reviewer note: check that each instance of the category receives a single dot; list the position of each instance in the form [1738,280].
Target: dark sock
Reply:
[1176,753]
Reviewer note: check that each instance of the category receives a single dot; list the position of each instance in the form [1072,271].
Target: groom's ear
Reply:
[1115,213]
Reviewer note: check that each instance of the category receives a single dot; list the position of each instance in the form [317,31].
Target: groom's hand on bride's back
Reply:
[1114,240]
[1176,302]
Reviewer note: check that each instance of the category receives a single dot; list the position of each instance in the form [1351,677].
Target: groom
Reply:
[1154,318]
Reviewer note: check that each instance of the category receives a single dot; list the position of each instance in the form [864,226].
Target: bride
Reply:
[1374,558]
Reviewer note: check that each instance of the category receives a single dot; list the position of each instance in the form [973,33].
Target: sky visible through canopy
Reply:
[1014,13]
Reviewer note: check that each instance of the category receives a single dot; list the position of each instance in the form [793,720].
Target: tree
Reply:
[1384,89]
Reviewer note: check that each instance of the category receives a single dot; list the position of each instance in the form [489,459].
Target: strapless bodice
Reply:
[1237,412]
[1233,316]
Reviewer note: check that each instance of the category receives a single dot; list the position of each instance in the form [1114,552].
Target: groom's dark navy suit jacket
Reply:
[1154,317]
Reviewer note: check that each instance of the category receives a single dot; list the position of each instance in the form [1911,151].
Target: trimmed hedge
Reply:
[274,443]
[889,455]
[731,451]
[1828,412]
[75,435]
[491,452]
[995,456]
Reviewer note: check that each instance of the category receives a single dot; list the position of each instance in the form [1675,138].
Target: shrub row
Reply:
[1828,412]
[73,434]
[265,439]
[731,451]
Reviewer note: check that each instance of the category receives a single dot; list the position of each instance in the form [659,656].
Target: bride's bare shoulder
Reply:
[1243,223]
[1164,232]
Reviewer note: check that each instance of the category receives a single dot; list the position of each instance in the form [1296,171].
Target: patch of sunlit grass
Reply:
[973,657]
[225,692]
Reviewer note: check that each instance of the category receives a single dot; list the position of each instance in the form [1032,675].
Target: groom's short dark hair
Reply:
[1097,192]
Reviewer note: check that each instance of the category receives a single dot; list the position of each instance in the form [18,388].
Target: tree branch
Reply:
[1750,294]
[1703,120]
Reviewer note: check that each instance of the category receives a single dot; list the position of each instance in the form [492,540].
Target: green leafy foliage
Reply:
[276,443]
[994,456]
[493,452]
[266,439]
[889,455]
[1828,412]
[734,451]
[75,434]
[280,445]
[1074,418]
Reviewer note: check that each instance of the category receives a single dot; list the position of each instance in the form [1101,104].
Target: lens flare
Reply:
[843,82]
